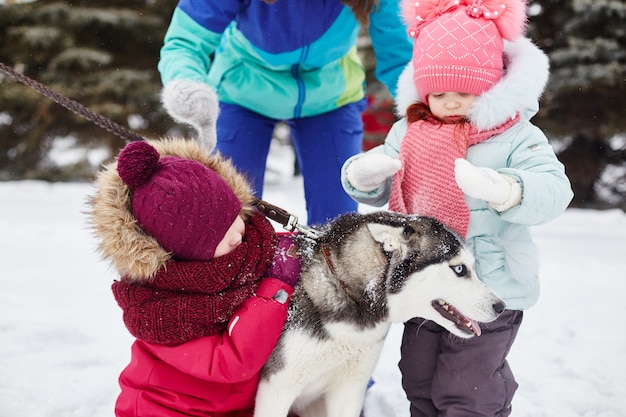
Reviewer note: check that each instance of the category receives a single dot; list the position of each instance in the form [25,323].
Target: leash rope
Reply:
[74,106]
[286,219]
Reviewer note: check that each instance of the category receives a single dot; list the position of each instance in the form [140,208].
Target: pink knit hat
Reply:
[184,205]
[458,43]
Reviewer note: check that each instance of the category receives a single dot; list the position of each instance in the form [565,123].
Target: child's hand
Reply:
[286,265]
[193,103]
[370,171]
[500,191]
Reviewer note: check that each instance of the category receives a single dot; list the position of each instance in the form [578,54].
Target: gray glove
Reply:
[193,103]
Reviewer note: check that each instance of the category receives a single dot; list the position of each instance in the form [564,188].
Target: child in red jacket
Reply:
[203,288]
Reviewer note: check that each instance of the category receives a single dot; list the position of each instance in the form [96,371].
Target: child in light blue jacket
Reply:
[467,154]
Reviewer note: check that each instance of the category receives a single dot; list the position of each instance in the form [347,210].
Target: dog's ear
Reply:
[391,237]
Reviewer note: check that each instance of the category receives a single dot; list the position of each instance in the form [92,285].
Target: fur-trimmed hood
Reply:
[527,72]
[121,241]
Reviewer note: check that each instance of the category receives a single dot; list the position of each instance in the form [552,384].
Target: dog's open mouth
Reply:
[451,313]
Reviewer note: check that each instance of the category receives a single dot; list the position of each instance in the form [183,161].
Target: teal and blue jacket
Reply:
[283,60]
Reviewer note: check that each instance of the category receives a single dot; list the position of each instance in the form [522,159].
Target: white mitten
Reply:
[193,103]
[500,191]
[370,171]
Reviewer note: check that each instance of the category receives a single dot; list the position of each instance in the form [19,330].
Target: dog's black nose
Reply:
[499,307]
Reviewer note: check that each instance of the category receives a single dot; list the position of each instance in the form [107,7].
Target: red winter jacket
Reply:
[214,376]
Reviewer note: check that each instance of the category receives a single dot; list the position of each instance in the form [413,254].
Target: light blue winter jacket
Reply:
[500,241]
[283,60]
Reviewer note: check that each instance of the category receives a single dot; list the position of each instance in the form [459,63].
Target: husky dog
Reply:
[363,273]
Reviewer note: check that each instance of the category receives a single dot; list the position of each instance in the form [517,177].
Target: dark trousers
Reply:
[322,144]
[446,376]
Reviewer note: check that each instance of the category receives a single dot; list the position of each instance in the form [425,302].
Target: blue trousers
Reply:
[322,144]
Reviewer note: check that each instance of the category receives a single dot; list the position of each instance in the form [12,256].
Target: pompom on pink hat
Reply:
[184,205]
[459,43]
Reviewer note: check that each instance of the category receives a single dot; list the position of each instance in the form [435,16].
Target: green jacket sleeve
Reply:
[392,46]
[187,49]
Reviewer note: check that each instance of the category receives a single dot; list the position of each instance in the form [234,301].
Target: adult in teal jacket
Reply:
[281,61]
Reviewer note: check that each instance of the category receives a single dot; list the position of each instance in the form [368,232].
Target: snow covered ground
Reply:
[63,343]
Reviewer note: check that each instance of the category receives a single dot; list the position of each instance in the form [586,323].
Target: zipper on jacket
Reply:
[295,72]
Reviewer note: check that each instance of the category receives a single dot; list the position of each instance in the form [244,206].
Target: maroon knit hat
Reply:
[184,205]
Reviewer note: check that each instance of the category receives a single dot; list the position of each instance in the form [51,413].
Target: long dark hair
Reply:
[420,111]
[360,8]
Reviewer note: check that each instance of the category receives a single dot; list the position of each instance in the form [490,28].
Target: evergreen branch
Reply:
[74,106]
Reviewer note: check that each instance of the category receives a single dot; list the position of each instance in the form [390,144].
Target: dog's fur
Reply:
[365,272]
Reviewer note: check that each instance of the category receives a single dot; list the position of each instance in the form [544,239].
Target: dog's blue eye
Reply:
[459,270]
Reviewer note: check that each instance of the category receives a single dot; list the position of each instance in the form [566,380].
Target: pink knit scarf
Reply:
[425,185]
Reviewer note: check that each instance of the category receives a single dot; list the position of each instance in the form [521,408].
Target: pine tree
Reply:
[585,101]
[102,54]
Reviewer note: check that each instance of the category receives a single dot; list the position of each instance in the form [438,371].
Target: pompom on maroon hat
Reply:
[184,205]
